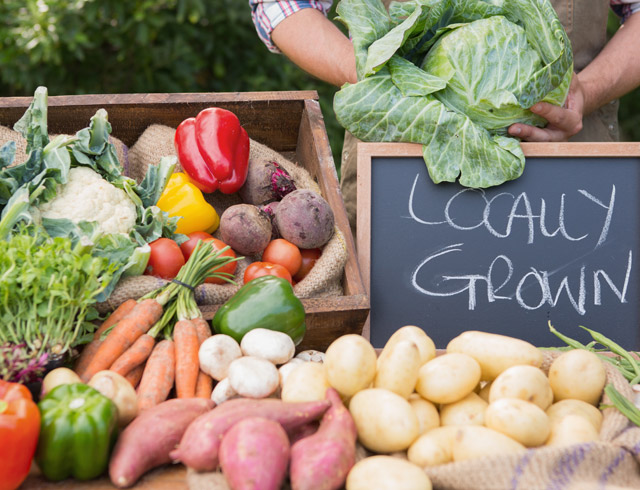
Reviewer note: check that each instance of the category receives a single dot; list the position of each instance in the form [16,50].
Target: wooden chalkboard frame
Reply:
[367,152]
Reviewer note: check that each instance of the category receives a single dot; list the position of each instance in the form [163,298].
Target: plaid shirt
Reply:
[267,14]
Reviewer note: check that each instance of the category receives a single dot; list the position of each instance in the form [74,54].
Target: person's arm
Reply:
[316,45]
[613,73]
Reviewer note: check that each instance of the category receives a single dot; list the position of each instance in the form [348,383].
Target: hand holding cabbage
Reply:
[454,75]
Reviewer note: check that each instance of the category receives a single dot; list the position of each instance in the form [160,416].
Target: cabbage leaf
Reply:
[453,75]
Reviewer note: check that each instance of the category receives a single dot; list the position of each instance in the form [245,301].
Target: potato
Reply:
[311,355]
[523,421]
[119,391]
[276,347]
[387,473]
[566,407]
[245,228]
[571,429]
[426,347]
[216,353]
[495,353]
[468,411]
[433,447]
[448,378]
[304,218]
[350,364]
[58,376]
[253,377]
[577,374]
[397,371]
[307,382]
[385,421]
[528,383]
[474,441]
[427,413]
[286,369]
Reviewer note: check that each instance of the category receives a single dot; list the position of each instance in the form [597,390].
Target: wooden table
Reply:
[170,477]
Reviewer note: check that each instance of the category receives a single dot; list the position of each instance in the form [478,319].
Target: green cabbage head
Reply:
[453,75]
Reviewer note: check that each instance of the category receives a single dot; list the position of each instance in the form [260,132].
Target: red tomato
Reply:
[284,253]
[230,268]
[309,258]
[257,269]
[194,237]
[165,259]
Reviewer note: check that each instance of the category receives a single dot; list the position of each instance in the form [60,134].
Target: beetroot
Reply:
[266,181]
[245,228]
[270,209]
[305,219]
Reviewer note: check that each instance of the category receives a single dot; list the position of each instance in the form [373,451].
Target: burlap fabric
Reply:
[611,463]
[325,279]
[21,156]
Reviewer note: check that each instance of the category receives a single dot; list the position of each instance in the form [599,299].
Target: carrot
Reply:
[135,375]
[92,347]
[159,373]
[204,384]
[187,364]
[124,334]
[134,355]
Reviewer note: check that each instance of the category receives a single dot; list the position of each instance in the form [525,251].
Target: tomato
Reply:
[194,237]
[257,269]
[165,259]
[309,258]
[230,268]
[284,253]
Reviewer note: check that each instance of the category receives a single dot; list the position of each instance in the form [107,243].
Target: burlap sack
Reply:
[611,463]
[21,156]
[325,279]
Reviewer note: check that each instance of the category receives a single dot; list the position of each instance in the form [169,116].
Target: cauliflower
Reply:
[89,197]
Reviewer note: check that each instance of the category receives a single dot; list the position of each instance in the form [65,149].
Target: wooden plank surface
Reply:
[163,478]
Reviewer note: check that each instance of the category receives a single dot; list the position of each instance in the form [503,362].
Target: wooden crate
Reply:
[290,123]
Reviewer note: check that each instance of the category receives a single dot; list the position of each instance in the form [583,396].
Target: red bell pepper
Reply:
[213,149]
[19,431]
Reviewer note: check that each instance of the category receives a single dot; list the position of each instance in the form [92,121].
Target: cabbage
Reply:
[453,75]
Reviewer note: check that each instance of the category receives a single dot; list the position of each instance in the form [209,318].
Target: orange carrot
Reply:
[204,384]
[187,364]
[135,355]
[135,375]
[118,314]
[159,374]
[92,347]
[123,335]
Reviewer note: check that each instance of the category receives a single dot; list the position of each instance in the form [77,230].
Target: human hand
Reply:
[564,121]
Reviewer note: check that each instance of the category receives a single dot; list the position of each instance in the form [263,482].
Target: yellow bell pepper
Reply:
[182,198]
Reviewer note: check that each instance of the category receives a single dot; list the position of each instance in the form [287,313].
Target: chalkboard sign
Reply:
[560,244]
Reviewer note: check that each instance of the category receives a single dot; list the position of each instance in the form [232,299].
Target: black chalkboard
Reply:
[561,244]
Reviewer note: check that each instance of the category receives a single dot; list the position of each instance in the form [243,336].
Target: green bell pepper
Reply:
[264,302]
[77,432]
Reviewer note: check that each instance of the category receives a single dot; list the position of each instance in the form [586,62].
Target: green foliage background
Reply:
[115,46]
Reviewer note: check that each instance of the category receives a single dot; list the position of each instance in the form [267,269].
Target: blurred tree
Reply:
[111,46]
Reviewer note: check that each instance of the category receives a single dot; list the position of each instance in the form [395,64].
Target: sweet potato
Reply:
[245,228]
[254,454]
[200,443]
[147,441]
[305,219]
[323,460]
[266,182]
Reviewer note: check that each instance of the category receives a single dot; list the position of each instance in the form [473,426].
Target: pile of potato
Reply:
[486,395]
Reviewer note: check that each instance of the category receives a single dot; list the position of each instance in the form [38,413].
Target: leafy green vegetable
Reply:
[48,288]
[453,75]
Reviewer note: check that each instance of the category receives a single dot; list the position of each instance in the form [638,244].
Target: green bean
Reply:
[615,348]
[623,404]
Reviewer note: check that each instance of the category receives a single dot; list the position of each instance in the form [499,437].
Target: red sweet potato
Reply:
[200,444]
[323,460]
[254,454]
[147,441]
